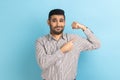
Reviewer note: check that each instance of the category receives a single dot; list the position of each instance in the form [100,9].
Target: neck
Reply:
[56,37]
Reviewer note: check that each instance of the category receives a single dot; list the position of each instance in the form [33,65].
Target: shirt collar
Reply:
[50,37]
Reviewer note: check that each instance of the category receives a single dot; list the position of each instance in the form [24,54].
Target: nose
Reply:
[58,23]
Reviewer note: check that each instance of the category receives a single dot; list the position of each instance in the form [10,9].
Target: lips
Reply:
[58,28]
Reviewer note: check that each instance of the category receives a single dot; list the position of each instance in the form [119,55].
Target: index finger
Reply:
[73,40]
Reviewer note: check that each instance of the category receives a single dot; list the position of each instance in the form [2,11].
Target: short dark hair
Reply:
[56,12]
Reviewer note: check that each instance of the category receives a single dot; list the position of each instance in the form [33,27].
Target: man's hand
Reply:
[68,46]
[76,25]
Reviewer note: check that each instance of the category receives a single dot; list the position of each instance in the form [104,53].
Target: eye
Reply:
[53,20]
[61,20]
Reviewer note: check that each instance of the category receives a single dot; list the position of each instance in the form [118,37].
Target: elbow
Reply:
[97,45]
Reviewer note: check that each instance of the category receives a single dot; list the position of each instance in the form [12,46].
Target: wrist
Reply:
[84,28]
[62,50]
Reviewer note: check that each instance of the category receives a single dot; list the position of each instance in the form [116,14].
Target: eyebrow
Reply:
[59,19]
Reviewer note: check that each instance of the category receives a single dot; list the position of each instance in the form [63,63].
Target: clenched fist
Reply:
[76,25]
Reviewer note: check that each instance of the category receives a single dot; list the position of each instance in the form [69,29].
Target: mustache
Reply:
[58,27]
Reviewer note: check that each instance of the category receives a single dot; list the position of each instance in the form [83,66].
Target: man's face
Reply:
[56,23]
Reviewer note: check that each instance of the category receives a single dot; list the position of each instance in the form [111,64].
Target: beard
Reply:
[57,30]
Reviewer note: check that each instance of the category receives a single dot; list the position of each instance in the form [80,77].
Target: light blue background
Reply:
[23,21]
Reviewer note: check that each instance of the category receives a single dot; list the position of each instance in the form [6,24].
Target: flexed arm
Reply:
[91,42]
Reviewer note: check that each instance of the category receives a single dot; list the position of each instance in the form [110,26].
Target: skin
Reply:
[57,24]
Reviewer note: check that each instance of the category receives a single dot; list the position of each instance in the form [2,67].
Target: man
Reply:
[57,53]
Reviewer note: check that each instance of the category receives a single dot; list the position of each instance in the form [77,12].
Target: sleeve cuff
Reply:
[88,31]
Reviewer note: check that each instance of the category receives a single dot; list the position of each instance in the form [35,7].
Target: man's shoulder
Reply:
[42,38]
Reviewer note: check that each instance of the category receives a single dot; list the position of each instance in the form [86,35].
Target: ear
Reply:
[64,23]
[48,22]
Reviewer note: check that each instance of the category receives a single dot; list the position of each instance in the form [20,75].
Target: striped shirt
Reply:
[58,66]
